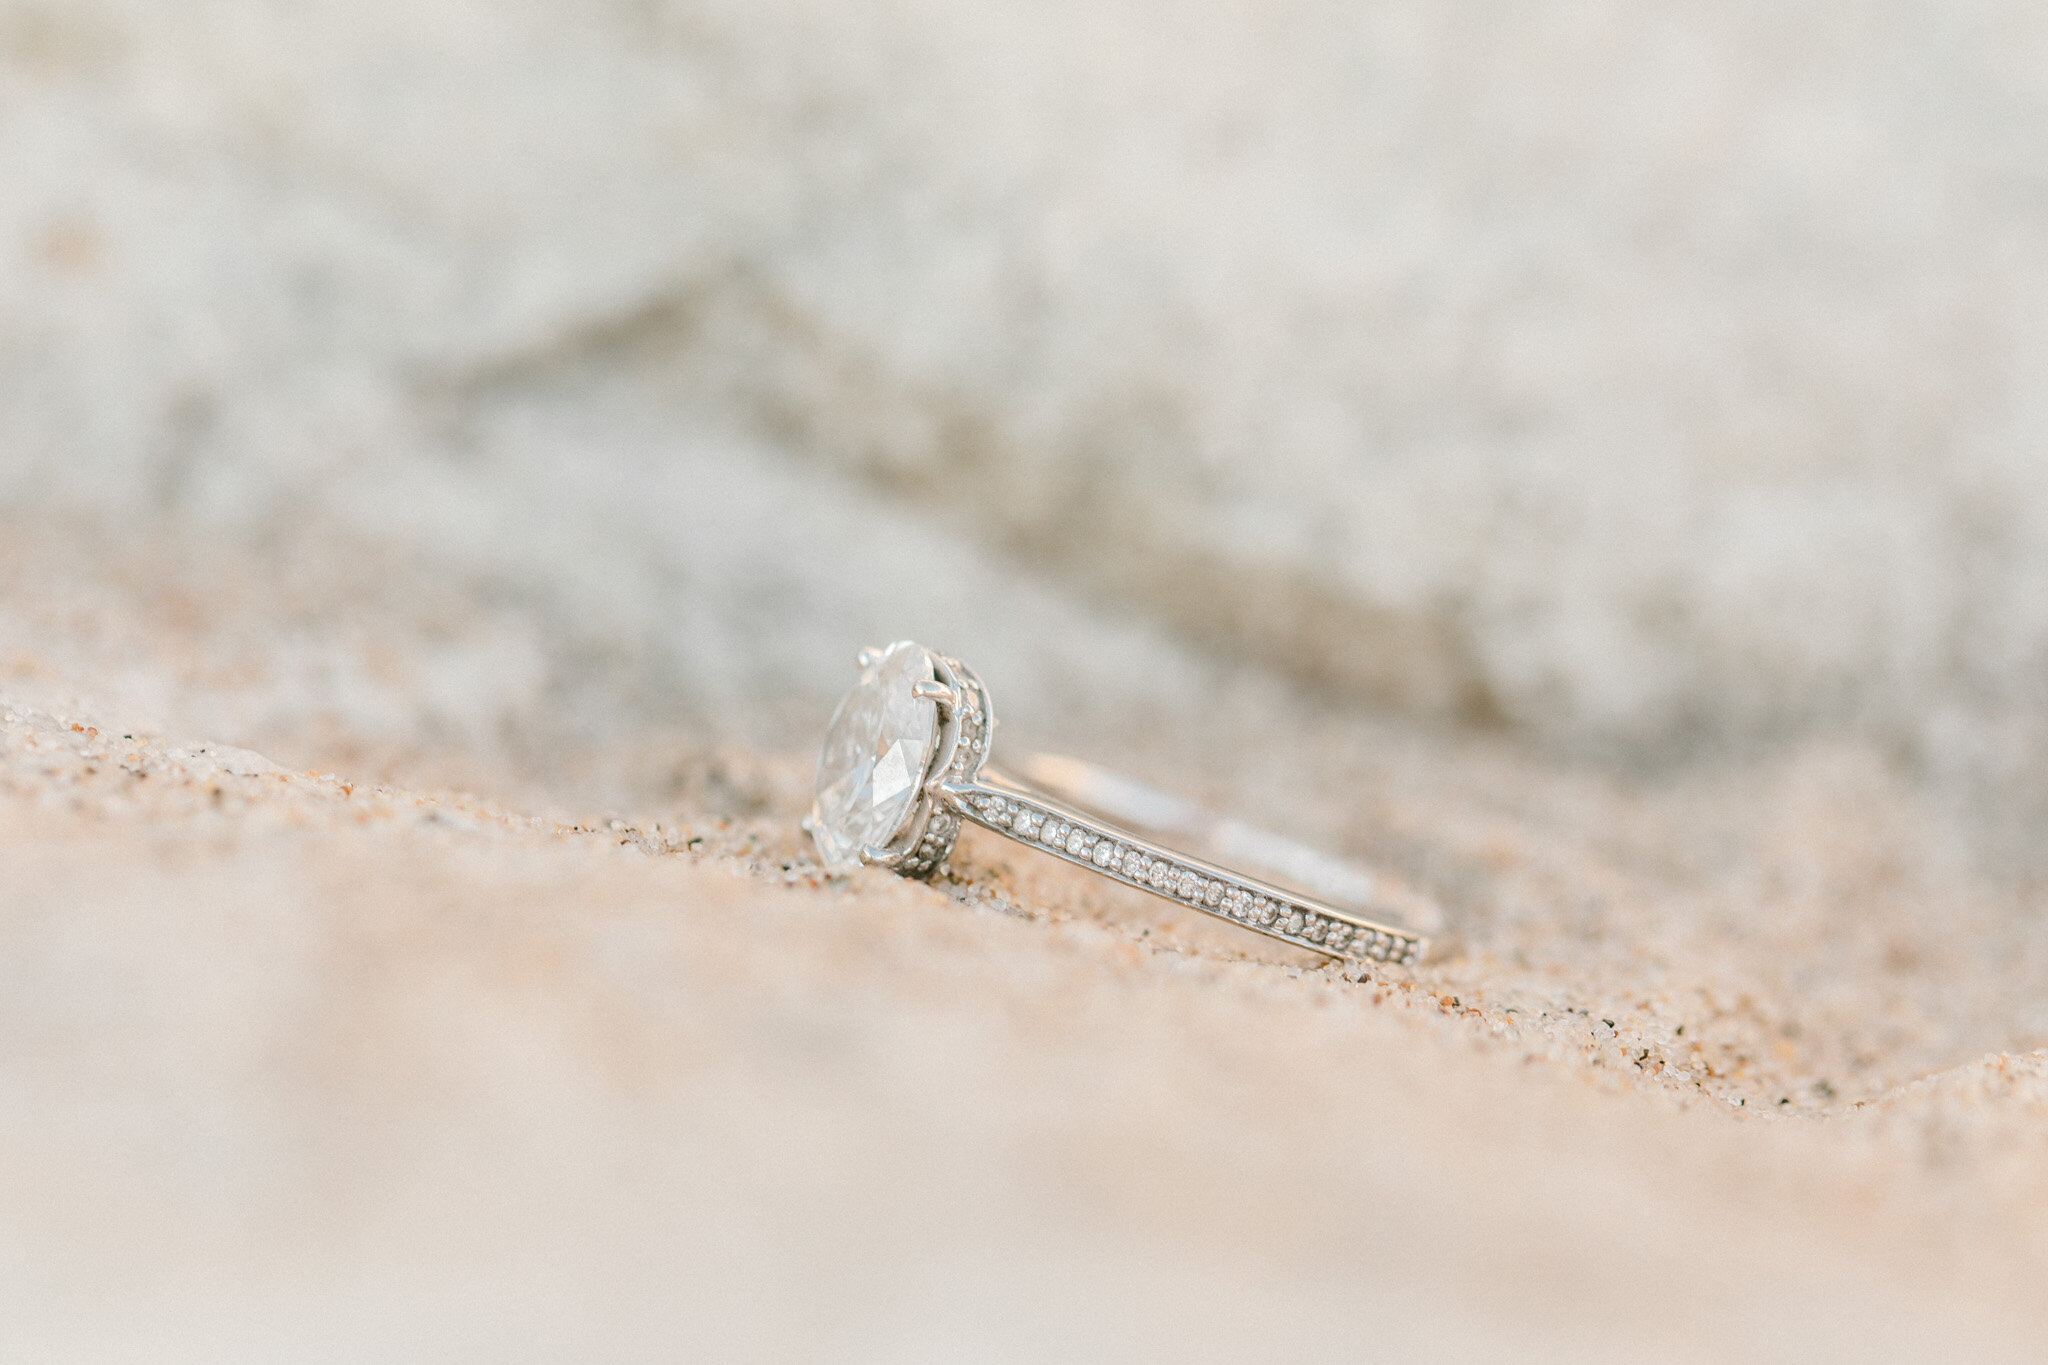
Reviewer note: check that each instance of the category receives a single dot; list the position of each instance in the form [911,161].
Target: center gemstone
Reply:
[874,757]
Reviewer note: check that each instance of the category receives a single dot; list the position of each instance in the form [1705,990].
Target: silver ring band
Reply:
[1033,818]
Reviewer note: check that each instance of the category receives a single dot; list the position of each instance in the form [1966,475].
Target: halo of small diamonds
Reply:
[967,730]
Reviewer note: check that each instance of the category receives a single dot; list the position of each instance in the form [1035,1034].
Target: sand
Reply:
[308,1064]
[1579,459]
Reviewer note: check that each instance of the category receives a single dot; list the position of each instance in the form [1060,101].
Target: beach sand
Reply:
[1580,460]
[308,1064]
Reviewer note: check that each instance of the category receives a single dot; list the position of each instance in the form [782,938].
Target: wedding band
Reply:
[905,765]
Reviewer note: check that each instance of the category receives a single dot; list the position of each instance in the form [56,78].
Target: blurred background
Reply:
[1586,458]
[1642,381]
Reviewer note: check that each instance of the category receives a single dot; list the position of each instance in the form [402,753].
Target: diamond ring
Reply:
[904,766]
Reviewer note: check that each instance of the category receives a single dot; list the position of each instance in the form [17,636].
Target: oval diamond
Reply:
[875,757]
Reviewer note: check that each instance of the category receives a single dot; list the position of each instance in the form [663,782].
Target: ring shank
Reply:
[1032,816]
[1228,842]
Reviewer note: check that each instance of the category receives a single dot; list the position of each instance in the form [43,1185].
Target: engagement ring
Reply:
[905,764]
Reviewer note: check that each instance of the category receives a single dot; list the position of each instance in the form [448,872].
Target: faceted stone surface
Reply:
[874,757]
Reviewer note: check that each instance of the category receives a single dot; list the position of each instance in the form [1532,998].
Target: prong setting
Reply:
[945,696]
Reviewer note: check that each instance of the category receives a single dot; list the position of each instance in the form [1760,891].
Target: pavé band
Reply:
[903,767]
